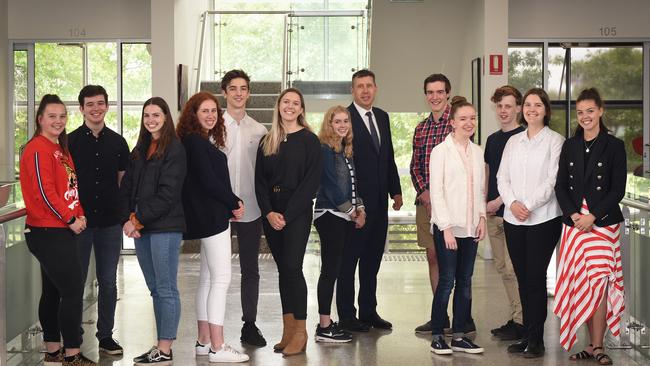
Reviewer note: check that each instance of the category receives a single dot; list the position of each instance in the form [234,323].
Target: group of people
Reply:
[218,172]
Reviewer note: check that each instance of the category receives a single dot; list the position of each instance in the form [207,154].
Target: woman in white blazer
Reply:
[532,215]
[457,186]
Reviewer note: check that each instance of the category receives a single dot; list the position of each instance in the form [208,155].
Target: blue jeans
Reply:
[158,257]
[456,268]
[107,243]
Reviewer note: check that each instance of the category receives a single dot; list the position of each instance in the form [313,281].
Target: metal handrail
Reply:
[287,13]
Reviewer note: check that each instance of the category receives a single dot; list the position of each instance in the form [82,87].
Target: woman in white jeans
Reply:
[209,204]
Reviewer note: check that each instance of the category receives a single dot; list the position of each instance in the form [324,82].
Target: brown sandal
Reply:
[582,355]
[602,358]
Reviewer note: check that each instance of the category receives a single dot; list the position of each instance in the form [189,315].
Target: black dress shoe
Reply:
[353,325]
[518,347]
[377,322]
[534,350]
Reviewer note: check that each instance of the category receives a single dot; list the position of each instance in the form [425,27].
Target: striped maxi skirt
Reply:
[590,265]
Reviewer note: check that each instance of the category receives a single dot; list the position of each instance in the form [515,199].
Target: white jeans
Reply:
[214,278]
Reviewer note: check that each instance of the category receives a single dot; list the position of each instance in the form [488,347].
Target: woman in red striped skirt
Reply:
[590,184]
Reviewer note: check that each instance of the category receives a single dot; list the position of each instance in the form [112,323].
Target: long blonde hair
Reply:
[271,142]
[328,136]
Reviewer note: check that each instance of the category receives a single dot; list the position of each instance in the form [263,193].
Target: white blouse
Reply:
[527,174]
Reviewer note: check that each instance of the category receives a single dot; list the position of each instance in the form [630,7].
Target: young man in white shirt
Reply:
[243,135]
[507,100]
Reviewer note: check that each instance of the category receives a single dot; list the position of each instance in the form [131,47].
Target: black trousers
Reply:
[531,248]
[248,237]
[334,235]
[366,249]
[288,249]
[61,304]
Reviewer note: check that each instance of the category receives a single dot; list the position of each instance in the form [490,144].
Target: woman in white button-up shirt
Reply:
[457,180]
[532,217]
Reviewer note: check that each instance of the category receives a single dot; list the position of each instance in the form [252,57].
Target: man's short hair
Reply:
[234,74]
[91,91]
[362,74]
[504,91]
[437,77]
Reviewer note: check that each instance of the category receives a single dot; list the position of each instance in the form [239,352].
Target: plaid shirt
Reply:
[428,134]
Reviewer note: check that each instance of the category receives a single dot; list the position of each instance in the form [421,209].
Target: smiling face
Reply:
[589,115]
[153,119]
[534,110]
[436,96]
[207,114]
[464,122]
[94,110]
[236,93]
[53,120]
[363,91]
[290,107]
[507,110]
[341,124]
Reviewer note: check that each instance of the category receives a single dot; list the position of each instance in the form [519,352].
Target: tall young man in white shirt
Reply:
[507,100]
[243,135]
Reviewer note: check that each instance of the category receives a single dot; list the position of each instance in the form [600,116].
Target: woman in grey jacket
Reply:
[339,209]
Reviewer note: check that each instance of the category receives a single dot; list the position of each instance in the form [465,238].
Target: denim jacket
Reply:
[335,190]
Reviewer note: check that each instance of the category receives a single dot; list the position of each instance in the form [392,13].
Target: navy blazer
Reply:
[602,183]
[376,171]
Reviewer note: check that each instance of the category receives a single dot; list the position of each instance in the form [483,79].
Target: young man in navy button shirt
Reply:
[100,156]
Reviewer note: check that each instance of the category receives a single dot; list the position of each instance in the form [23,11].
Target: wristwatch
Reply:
[72,220]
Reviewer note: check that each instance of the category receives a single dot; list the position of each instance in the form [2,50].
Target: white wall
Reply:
[411,41]
[99,19]
[578,18]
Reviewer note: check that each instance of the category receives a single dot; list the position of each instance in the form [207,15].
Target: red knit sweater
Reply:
[49,184]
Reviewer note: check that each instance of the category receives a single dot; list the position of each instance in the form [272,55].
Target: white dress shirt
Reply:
[527,174]
[362,111]
[242,140]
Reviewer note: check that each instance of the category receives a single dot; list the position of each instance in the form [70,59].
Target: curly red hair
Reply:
[189,123]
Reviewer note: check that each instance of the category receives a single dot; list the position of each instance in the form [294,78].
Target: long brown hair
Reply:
[328,136]
[271,142]
[167,133]
[189,123]
[45,101]
[591,94]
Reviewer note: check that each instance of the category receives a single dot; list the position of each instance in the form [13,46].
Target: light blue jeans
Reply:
[158,257]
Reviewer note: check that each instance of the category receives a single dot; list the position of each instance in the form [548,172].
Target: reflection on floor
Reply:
[404,299]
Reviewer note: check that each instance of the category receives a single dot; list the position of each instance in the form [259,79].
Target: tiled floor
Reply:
[404,299]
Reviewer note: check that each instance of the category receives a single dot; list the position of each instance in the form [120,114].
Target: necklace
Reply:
[588,148]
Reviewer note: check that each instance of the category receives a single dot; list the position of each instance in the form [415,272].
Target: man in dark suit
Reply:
[377,177]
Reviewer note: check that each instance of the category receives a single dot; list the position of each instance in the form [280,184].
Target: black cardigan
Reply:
[152,189]
[208,199]
[601,181]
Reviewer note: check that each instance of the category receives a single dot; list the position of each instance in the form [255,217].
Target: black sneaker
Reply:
[465,345]
[500,329]
[110,346]
[424,328]
[440,347]
[534,350]
[250,334]
[518,347]
[143,356]
[354,325]
[512,333]
[157,357]
[332,334]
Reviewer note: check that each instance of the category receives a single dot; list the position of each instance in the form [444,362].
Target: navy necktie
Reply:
[373,131]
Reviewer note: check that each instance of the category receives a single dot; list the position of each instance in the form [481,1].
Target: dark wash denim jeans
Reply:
[456,268]
[107,243]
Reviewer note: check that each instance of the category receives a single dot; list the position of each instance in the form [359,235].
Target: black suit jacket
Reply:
[376,171]
[602,183]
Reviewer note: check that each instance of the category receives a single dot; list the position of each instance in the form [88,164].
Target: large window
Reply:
[615,69]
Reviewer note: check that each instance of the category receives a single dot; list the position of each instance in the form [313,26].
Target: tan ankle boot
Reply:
[287,332]
[298,342]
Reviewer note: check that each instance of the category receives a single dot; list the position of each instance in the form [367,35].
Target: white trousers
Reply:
[214,278]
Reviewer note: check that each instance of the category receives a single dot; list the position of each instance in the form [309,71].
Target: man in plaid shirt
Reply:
[429,133]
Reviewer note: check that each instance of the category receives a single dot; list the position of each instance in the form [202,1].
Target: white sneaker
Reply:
[202,349]
[227,354]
